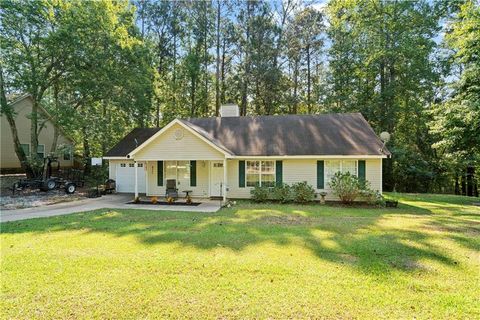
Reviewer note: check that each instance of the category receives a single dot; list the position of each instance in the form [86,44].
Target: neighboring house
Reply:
[227,156]
[22,105]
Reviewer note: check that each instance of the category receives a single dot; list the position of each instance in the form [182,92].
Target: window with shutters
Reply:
[334,166]
[260,173]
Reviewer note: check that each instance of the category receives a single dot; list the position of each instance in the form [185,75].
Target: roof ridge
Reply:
[276,115]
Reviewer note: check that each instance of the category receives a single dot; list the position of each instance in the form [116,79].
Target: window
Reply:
[260,173]
[26,149]
[123,165]
[41,151]
[334,166]
[67,153]
[140,165]
[179,171]
[253,173]
[131,165]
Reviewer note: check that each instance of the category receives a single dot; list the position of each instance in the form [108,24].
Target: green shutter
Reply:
[361,170]
[241,174]
[160,173]
[320,175]
[278,172]
[193,173]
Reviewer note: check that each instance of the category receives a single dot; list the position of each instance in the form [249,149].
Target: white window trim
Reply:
[176,170]
[260,172]
[326,181]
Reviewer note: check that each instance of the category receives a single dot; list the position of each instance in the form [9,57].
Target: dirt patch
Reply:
[7,181]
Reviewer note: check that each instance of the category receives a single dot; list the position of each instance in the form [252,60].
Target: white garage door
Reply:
[126,177]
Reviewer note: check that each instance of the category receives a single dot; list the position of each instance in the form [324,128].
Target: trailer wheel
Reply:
[48,185]
[70,188]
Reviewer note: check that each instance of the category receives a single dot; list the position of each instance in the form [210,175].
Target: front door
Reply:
[216,178]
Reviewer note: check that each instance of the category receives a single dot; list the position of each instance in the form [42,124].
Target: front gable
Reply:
[177,143]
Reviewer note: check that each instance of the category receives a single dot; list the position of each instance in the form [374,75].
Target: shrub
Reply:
[260,194]
[154,200]
[346,186]
[372,197]
[282,193]
[303,192]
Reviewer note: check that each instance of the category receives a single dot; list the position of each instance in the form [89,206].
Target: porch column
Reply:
[135,164]
[224,191]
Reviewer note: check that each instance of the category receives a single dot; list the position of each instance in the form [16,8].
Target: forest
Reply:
[102,68]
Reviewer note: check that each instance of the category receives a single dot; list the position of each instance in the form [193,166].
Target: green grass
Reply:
[420,260]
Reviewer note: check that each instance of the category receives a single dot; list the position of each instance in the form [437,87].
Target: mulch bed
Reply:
[164,203]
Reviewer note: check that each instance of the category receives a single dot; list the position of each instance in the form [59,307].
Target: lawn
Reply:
[420,260]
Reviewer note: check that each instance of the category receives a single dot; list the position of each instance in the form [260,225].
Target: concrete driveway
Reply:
[113,201]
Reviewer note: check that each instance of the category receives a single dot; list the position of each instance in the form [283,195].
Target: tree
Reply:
[457,119]
[30,63]
[380,65]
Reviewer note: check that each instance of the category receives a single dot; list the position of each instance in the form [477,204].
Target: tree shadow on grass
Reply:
[345,236]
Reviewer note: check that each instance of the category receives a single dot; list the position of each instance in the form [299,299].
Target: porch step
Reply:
[216,198]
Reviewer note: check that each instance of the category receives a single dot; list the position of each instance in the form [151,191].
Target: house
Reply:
[227,156]
[22,105]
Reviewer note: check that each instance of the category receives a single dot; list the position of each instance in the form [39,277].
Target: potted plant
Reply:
[170,200]
[392,202]
[188,200]
[154,200]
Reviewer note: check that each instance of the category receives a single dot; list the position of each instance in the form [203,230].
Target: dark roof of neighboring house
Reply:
[128,143]
[285,135]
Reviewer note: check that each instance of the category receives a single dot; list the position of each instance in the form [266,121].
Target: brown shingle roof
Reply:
[127,144]
[289,135]
[286,135]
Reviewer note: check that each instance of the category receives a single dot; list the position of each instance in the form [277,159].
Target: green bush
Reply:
[303,192]
[346,186]
[282,193]
[260,194]
[372,197]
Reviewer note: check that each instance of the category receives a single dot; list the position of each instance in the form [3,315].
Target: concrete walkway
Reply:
[115,201]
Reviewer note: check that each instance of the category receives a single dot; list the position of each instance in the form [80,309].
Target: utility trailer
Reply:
[47,182]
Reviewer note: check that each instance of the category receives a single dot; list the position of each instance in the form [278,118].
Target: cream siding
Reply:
[169,147]
[373,173]
[112,167]
[23,109]
[297,170]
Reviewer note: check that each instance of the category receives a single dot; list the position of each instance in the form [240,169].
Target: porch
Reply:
[195,178]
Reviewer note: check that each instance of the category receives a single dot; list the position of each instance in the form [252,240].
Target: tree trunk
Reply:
[470,173]
[309,101]
[9,114]
[217,75]
[34,130]
[86,151]
[463,184]
[243,106]
[295,88]
[457,185]
[222,88]
[56,132]
[205,57]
